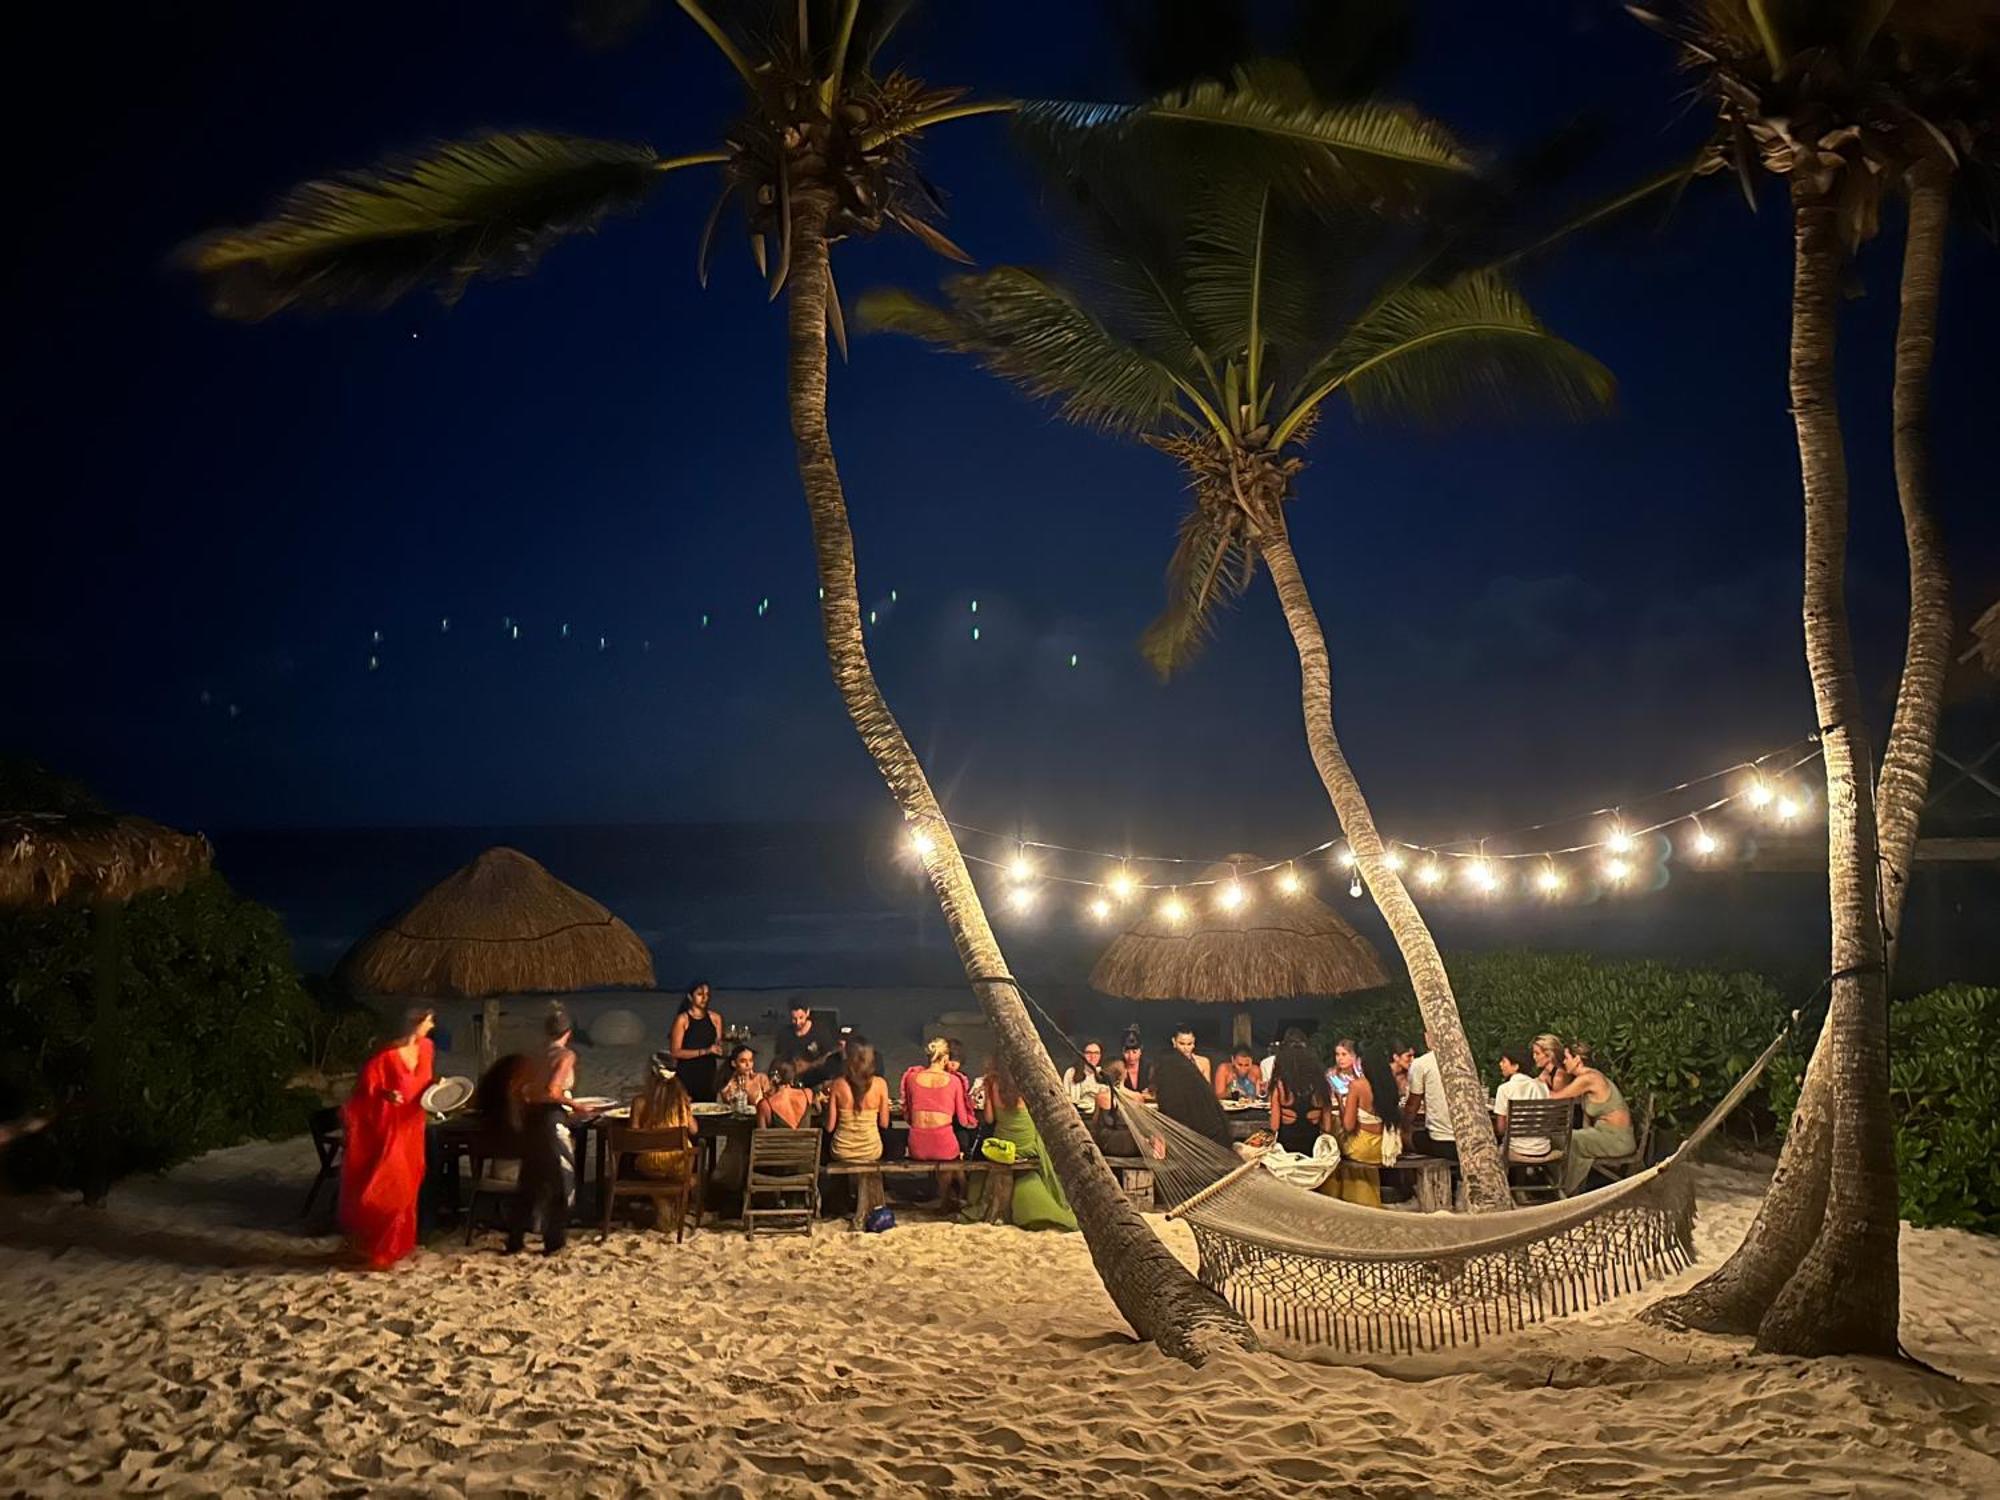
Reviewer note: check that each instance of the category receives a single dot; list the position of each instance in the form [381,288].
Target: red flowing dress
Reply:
[382,1162]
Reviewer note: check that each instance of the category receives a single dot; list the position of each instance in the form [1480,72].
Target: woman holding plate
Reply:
[382,1161]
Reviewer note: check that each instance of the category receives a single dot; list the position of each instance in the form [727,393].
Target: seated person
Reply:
[1426,1103]
[857,1108]
[1401,1057]
[1138,1067]
[1516,1082]
[1240,1078]
[1183,1040]
[664,1105]
[805,1044]
[1107,1124]
[1300,1107]
[1082,1079]
[744,1088]
[1609,1132]
[785,1104]
[1039,1201]
[1185,1095]
[1548,1050]
[936,1109]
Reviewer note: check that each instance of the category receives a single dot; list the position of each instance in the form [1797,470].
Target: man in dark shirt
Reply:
[806,1046]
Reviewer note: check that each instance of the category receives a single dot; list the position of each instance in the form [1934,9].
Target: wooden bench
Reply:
[1429,1178]
[869,1192]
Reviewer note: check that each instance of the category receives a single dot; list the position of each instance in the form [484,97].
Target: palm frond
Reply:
[1326,151]
[1037,335]
[1211,568]
[1246,273]
[1430,353]
[460,210]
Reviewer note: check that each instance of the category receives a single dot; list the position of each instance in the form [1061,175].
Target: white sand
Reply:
[189,1341]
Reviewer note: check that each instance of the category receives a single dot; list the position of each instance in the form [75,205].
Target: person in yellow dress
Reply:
[1353,1082]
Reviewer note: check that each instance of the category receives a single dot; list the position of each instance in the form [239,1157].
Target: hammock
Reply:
[1316,1268]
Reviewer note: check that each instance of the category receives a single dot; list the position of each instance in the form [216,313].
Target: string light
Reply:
[922,844]
[1021,898]
[1232,895]
[1345,858]
[1393,857]
[1617,870]
[1100,909]
[1022,869]
[1174,910]
[1122,884]
[1354,886]
[1788,808]
[1289,881]
[1549,879]
[1432,874]
[1703,843]
[1760,793]
[1480,872]
[1619,842]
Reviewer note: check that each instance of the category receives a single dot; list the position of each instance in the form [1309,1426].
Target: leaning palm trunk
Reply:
[1485,1173]
[1906,764]
[1151,1288]
[1817,1274]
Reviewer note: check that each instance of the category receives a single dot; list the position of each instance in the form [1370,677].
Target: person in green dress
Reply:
[1038,1196]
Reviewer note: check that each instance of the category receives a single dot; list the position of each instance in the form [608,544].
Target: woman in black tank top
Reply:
[696,1043]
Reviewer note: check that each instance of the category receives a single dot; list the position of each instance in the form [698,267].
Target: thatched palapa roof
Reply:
[47,857]
[503,925]
[1272,947]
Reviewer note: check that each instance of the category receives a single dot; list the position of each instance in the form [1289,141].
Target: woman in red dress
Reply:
[382,1163]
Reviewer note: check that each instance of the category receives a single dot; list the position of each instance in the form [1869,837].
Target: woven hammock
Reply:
[1318,1269]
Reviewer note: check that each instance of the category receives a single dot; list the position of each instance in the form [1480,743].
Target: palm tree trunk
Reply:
[1485,1173]
[1817,1273]
[1150,1286]
[1906,763]
[1844,1297]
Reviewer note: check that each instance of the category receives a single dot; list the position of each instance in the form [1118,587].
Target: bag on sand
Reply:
[879,1218]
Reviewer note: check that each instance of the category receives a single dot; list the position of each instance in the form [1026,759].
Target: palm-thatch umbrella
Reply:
[502,925]
[1270,946]
[85,854]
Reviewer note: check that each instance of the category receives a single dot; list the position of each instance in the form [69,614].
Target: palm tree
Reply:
[822,151]
[1819,91]
[1219,337]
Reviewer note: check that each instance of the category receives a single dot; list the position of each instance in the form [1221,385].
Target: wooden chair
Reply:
[622,1141]
[489,1185]
[1617,1168]
[1543,1119]
[784,1168]
[328,1136]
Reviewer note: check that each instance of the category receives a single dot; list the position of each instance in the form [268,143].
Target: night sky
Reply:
[1525,621]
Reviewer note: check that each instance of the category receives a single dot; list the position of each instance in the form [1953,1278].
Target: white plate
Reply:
[446,1095]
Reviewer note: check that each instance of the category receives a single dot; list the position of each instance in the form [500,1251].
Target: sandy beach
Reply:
[189,1340]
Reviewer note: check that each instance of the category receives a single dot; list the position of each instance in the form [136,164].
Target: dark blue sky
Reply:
[1524,621]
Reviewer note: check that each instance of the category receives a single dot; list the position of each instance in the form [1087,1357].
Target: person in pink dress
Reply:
[934,1101]
[382,1160]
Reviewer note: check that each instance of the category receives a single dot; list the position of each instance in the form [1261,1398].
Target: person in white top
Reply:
[1426,1097]
[1517,1083]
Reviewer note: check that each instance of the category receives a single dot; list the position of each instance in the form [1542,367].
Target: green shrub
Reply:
[1682,1036]
[211,1023]
[1944,1086]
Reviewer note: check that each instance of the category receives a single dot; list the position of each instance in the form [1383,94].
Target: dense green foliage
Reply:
[210,1024]
[1944,1084]
[1678,1036]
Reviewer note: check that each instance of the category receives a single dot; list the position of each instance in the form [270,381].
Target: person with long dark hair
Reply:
[1299,1097]
[1184,1095]
[382,1161]
[857,1108]
[1039,1201]
[696,1044]
[1363,1105]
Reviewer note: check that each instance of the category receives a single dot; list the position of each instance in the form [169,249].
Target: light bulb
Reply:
[1021,869]
[1021,898]
[1616,870]
[1480,873]
[1231,895]
[1760,793]
[1354,886]
[1430,874]
[1174,909]
[921,843]
[1123,885]
[1346,857]
[1788,809]
[1289,882]
[1100,908]
[1550,879]
[1704,843]
[1620,842]
[1393,858]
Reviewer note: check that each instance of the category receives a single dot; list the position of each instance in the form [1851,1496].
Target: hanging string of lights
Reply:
[1621,843]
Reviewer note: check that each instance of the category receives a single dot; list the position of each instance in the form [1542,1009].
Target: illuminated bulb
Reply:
[1021,898]
[1431,874]
[921,844]
[1174,909]
[1550,880]
[1123,885]
[1788,808]
[1616,870]
[1020,869]
[1760,794]
[1620,841]
[1231,896]
[1393,858]
[1704,842]
[1100,908]
[1354,886]
[1480,873]
[1346,858]
[1290,883]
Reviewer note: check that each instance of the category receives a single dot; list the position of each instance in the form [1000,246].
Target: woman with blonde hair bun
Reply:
[933,1102]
